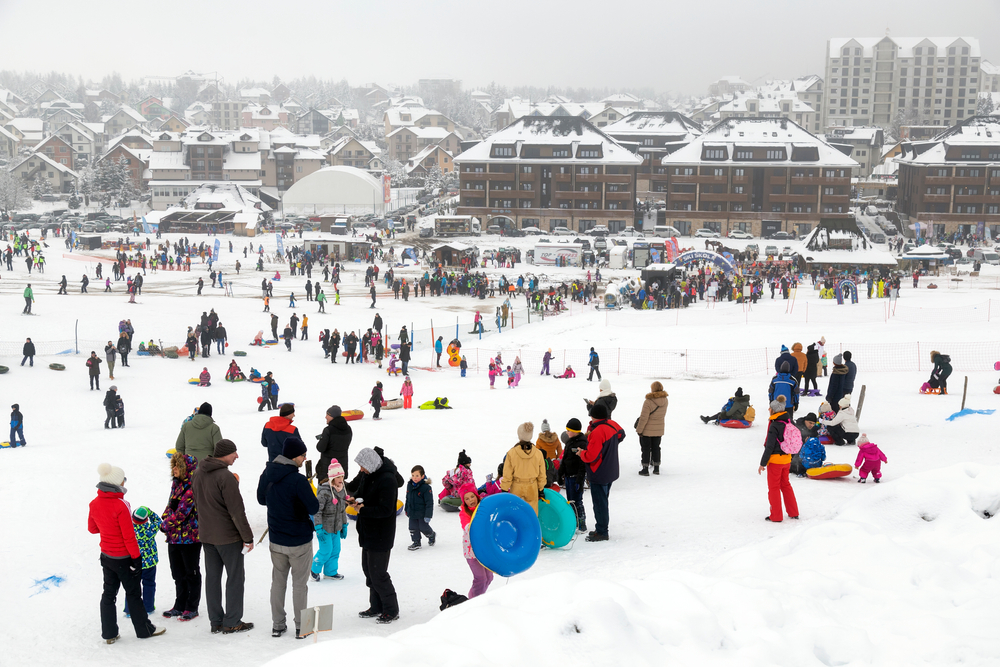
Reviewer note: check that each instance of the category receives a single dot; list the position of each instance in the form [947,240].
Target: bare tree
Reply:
[13,193]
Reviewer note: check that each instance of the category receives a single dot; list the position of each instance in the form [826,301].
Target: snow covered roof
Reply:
[563,131]
[167,160]
[47,160]
[131,113]
[237,160]
[925,251]
[904,45]
[977,132]
[626,99]
[655,123]
[432,132]
[249,93]
[734,133]
[766,103]
[989,68]
[857,134]
[27,124]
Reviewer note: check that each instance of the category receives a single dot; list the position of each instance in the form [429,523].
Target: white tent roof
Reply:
[926,251]
[335,190]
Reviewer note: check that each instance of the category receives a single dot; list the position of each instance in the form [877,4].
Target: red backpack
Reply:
[792,439]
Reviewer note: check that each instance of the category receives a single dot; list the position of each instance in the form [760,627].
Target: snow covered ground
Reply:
[901,573]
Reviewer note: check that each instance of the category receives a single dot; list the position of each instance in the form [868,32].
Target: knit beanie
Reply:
[599,411]
[739,392]
[205,409]
[287,409]
[778,404]
[863,439]
[845,402]
[784,348]
[545,426]
[111,474]
[334,411]
[335,469]
[574,425]
[368,459]
[464,459]
[605,387]
[785,367]
[293,447]
[140,515]
[525,431]
[838,360]
[223,448]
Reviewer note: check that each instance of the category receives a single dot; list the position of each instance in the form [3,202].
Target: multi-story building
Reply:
[351,152]
[989,79]
[652,135]
[759,175]
[123,120]
[865,145]
[423,162]
[878,80]
[952,183]
[264,116]
[406,142]
[38,166]
[549,172]
[778,104]
[228,114]
[728,85]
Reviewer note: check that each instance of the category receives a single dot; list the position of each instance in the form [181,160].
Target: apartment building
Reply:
[228,114]
[39,166]
[758,175]
[927,80]
[776,104]
[728,85]
[351,152]
[651,135]
[952,183]
[864,143]
[989,79]
[123,120]
[405,142]
[549,172]
[264,116]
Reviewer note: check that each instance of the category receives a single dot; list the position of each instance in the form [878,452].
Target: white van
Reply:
[665,231]
[986,256]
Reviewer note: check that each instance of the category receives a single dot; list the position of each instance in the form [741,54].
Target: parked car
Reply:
[631,231]
[665,231]
[583,243]
[739,234]
[599,230]
[986,256]
[600,244]
[704,233]
[781,236]
[562,231]
[753,247]
[513,232]
[426,232]
[771,250]
[531,231]
[494,229]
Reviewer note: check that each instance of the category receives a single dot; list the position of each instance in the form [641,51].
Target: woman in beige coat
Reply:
[650,427]
[524,468]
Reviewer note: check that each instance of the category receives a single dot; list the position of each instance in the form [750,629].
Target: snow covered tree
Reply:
[396,171]
[40,186]
[74,200]
[125,189]
[985,106]
[434,178]
[86,183]
[13,194]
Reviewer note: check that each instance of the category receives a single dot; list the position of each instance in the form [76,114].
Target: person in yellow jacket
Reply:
[524,468]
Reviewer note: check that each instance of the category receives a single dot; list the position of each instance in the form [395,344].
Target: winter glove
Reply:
[135,565]
[343,532]
[427,519]
[319,529]
[541,494]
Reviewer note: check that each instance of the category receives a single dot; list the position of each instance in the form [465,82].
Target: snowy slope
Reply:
[692,572]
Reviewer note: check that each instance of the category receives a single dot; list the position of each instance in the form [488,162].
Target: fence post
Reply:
[918,356]
[619,361]
[76,336]
[685,360]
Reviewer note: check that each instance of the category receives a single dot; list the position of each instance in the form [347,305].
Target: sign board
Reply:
[281,244]
[386,188]
[840,244]
[215,251]
[719,261]
[316,620]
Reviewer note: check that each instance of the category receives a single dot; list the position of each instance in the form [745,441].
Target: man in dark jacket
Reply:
[277,430]
[224,531]
[110,403]
[786,356]
[812,368]
[735,408]
[290,501]
[375,490]
[784,384]
[603,438]
[198,435]
[334,441]
[404,358]
[94,370]
[573,471]
[29,352]
[778,463]
[274,326]
[835,387]
[852,372]
[594,361]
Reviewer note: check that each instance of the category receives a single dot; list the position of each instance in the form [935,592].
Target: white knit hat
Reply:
[525,431]
[111,474]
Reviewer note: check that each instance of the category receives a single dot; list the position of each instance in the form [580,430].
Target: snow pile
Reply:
[897,565]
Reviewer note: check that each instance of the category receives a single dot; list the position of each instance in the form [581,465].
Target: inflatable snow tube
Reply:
[352,513]
[557,519]
[3,369]
[257,380]
[57,367]
[451,504]
[399,507]
[236,380]
[996,390]
[239,353]
[182,352]
[171,452]
[394,404]
[829,471]
[352,415]
[270,342]
[171,355]
[735,423]
[196,382]
[825,440]
[505,534]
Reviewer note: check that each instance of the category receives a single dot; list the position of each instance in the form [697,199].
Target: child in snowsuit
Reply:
[419,507]
[376,400]
[392,370]
[573,471]
[146,524]
[510,378]
[464,365]
[481,577]
[16,425]
[454,479]
[205,378]
[331,526]
[406,391]
[493,375]
[870,460]
[568,373]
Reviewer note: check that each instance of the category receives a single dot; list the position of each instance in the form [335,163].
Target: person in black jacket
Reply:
[335,440]
[778,464]
[941,371]
[793,364]
[811,369]
[29,352]
[573,471]
[334,349]
[110,405]
[124,347]
[419,507]
[835,389]
[376,400]
[375,492]
[404,358]
[605,397]
[852,372]
[290,502]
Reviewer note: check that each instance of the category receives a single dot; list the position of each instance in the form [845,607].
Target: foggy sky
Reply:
[663,44]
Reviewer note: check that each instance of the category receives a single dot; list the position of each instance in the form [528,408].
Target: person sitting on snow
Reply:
[234,373]
[258,339]
[735,408]
[440,403]
[393,369]
[205,378]
[568,373]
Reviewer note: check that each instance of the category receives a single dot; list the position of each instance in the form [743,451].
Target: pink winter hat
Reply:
[334,469]
[863,439]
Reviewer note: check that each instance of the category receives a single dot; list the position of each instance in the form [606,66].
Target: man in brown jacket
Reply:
[224,530]
[650,427]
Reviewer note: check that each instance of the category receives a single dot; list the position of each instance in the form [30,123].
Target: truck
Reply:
[456,225]
[561,254]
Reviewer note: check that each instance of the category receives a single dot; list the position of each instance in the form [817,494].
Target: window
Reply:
[993,209]
[718,171]
[736,207]
[715,154]
[591,153]
[738,173]
[738,189]
[744,155]
[647,142]
[560,152]
[778,154]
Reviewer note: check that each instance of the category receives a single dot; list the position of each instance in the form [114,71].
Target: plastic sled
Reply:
[394,404]
[996,366]
[143,353]
[451,504]
[735,423]
[57,367]
[7,445]
[171,452]
[505,534]
[825,440]
[996,389]
[557,519]
[257,380]
[352,415]
[239,353]
[830,471]
[3,369]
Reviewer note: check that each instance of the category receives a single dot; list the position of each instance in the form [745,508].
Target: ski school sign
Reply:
[692,256]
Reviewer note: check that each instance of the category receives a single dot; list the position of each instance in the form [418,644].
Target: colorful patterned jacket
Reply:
[145,534]
[180,518]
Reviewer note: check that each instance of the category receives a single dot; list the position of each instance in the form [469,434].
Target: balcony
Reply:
[590,178]
[809,180]
[618,196]
[617,178]
[501,177]
[682,196]
[937,199]
[506,194]
[472,192]
[719,197]
[562,178]
[939,180]
[475,175]
[777,180]
[587,195]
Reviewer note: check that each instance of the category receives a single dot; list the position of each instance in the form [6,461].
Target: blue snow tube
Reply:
[557,519]
[505,534]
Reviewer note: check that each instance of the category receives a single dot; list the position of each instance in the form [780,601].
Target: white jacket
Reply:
[846,419]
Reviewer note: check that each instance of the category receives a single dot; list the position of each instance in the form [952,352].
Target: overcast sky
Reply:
[664,44]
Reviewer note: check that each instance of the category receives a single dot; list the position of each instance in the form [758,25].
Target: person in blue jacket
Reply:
[784,384]
[786,356]
[290,503]
[439,348]
[595,365]
[16,425]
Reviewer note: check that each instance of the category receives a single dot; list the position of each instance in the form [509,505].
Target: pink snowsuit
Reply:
[873,458]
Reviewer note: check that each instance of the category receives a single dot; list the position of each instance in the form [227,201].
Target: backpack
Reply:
[749,414]
[792,439]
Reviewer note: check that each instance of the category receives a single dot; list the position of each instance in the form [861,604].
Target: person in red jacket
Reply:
[603,438]
[111,517]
